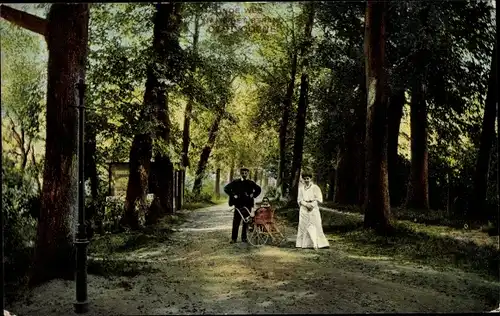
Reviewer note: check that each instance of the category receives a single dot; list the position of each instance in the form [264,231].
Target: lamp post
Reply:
[81,242]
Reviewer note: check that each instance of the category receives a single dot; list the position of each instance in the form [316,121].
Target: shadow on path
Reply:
[197,271]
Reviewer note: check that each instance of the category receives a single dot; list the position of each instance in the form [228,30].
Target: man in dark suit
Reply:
[241,194]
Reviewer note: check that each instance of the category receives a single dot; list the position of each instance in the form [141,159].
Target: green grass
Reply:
[128,241]
[441,247]
[109,268]
[148,237]
[201,204]
[108,252]
[429,217]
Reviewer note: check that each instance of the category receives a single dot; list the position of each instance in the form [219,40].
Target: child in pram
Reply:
[265,207]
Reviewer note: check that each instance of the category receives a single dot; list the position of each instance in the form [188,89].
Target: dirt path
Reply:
[198,272]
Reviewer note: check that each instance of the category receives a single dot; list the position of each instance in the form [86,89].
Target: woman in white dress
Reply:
[310,231]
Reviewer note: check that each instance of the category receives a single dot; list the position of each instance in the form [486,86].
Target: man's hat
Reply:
[244,168]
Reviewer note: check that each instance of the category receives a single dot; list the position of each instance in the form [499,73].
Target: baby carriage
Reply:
[262,228]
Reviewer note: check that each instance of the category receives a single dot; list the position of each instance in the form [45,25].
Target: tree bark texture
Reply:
[377,203]
[25,20]
[138,179]
[93,214]
[418,186]
[165,34]
[217,183]
[350,166]
[300,124]
[486,140]
[205,153]
[396,104]
[331,184]
[287,108]
[67,41]
[231,172]
[166,47]
[186,139]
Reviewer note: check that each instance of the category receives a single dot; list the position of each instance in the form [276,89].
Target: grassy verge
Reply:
[441,247]
[110,253]
[193,205]
[429,217]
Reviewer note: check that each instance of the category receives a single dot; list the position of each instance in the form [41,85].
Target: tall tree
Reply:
[155,121]
[286,110]
[396,104]
[377,203]
[343,112]
[66,33]
[486,140]
[350,171]
[300,124]
[168,53]
[418,186]
[186,140]
[207,149]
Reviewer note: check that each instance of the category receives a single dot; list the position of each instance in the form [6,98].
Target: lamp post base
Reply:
[81,307]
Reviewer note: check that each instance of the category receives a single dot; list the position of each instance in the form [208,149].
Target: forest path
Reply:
[198,271]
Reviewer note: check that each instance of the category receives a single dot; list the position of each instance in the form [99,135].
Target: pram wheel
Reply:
[278,240]
[258,236]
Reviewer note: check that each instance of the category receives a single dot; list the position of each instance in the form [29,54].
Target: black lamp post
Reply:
[81,242]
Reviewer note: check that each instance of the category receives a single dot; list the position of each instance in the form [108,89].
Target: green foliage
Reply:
[203,197]
[113,211]
[23,94]
[120,35]
[20,202]
[272,192]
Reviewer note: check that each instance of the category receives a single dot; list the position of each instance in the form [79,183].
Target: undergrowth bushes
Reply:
[20,200]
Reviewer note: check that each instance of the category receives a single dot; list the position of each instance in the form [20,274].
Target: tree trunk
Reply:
[287,107]
[255,175]
[345,191]
[205,153]
[487,136]
[138,179]
[231,172]
[186,139]
[24,151]
[350,164]
[66,32]
[396,104]
[361,141]
[418,186]
[90,152]
[181,185]
[349,173]
[37,171]
[331,184]
[217,183]
[166,46]
[377,204]
[300,124]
